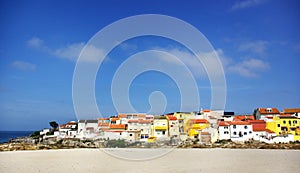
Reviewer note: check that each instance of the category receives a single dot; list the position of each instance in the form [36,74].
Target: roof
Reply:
[287,117]
[256,121]
[171,117]
[197,121]
[90,128]
[243,117]
[258,125]
[205,110]
[88,121]
[239,123]
[291,110]
[145,121]
[114,119]
[223,123]
[103,118]
[141,121]
[117,126]
[141,115]
[122,115]
[103,124]
[269,131]
[72,122]
[91,121]
[268,110]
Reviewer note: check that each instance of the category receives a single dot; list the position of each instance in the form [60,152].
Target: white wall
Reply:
[241,132]
[224,132]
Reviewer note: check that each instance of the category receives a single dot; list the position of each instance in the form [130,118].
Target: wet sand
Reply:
[133,160]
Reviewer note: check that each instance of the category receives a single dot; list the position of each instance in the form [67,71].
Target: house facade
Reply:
[240,131]
[224,130]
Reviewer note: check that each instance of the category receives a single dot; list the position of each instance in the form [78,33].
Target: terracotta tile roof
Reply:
[141,115]
[145,121]
[117,126]
[239,123]
[103,124]
[243,117]
[114,119]
[122,115]
[257,129]
[291,110]
[103,119]
[223,123]
[171,117]
[90,128]
[256,121]
[205,110]
[62,126]
[133,121]
[269,131]
[198,121]
[288,117]
[265,111]
[258,125]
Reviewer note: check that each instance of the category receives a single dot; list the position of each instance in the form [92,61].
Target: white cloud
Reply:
[248,67]
[258,47]
[37,43]
[70,52]
[22,65]
[246,4]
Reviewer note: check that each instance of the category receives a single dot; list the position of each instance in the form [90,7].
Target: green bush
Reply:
[116,143]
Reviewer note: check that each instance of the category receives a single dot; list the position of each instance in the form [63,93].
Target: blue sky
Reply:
[257,41]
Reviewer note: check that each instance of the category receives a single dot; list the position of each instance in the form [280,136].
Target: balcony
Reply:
[160,127]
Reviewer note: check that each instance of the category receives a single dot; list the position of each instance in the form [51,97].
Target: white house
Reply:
[87,128]
[240,131]
[224,130]
[173,126]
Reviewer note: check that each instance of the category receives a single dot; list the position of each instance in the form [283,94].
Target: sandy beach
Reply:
[177,160]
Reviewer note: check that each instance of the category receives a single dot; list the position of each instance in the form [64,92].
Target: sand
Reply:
[177,160]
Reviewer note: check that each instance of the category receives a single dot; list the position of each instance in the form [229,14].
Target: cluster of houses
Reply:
[207,126]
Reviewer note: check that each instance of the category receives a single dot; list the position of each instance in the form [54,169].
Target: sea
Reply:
[5,136]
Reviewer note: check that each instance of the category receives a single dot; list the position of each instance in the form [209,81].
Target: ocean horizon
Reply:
[5,136]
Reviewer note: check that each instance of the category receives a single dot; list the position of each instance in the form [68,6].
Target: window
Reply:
[226,127]
[246,127]
[295,122]
[250,132]
[284,122]
[245,133]
[234,126]
[234,133]
[163,132]
[278,125]
[120,133]
[290,122]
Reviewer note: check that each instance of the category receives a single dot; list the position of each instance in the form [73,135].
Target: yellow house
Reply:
[183,117]
[284,124]
[160,127]
[195,126]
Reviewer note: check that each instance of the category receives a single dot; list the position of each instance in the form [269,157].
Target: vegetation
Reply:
[35,135]
[116,143]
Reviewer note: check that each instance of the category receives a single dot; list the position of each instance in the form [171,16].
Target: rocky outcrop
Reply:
[31,144]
